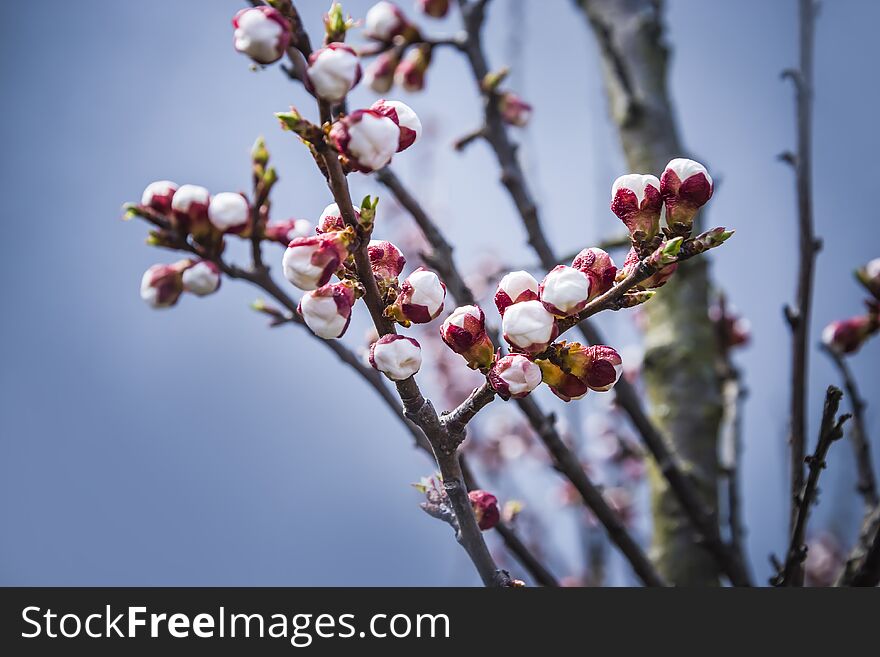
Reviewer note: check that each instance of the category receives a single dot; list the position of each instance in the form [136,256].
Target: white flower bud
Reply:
[189,196]
[202,278]
[384,21]
[407,120]
[309,262]
[262,33]
[514,376]
[333,71]
[516,286]
[229,211]
[528,326]
[327,310]
[367,138]
[396,356]
[565,291]
[158,195]
[421,298]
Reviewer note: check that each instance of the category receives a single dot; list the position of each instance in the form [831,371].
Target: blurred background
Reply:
[197,447]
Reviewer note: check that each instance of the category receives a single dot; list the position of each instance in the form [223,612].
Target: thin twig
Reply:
[863,565]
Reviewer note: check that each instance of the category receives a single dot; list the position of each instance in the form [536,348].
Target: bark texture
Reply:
[681,347]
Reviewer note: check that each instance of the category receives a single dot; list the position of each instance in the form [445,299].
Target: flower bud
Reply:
[685,186]
[528,326]
[309,262]
[229,212]
[564,291]
[405,118]
[464,331]
[515,287]
[485,507]
[396,356]
[386,260]
[327,310]
[514,376]
[162,285]
[384,21]
[157,196]
[410,73]
[562,384]
[652,282]
[190,208]
[289,229]
[379,75]
[514,110]
[636,200]
[331,219]
[597,366]
[202,278]
[332,72]
[599,268]
[869,276]
[262,33]
[848,335]
[367,138]
[434,8]
[420,300]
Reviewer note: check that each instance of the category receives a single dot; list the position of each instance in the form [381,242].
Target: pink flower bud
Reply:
[327,310]
[528,326]
[410,73]
[869,276]
[331,219]
[386,260]
[515,287]
[309,262]
[562,384]
[202,278]
[655,280]
[332,72]
[685,186]
[157,196]
[396,356]
[848,335]
[636,200]
[384,21]
[289,229]
[262,33]
[367,138]
[162,285]
[602,368]
[190,207]
[485,507]
[434,8]
[514,110]
[514,376]
[599,267]
[565,291]
[379,75]
[421,298]
[229,212]
[464,331]
[405,118]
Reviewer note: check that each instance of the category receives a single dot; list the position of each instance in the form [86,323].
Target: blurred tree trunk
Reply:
[680,345]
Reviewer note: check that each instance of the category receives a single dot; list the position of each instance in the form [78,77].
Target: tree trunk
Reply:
[680,344]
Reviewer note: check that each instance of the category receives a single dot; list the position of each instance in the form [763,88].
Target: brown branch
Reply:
[799,316]
[863,565]
[830,431]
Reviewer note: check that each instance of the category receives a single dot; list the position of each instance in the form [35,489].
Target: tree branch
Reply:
[863,565]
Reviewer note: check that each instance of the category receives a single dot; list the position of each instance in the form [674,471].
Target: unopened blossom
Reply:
[262,33]
[564,385]
[396,356]
[331,219]
[637,202]
[288,229]
[410,73]
[385,20]
[528,326]
[405,118]
[464,331]
[309,262]
[229,212]
[685,186]
[162,285]
[485,507]
[379,74]
[366,138]
[157,196]
[386,260]
[599,267]
[333,71]
[658,279]
[327,310]
[515,287]
[420,299]
[564,291]
[846,336]
[434,8]
[201,278]
[597,366]
[514,376]
[189,208]
[869,276]
[514,110]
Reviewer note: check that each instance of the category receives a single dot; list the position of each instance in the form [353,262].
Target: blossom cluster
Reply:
[846,336]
